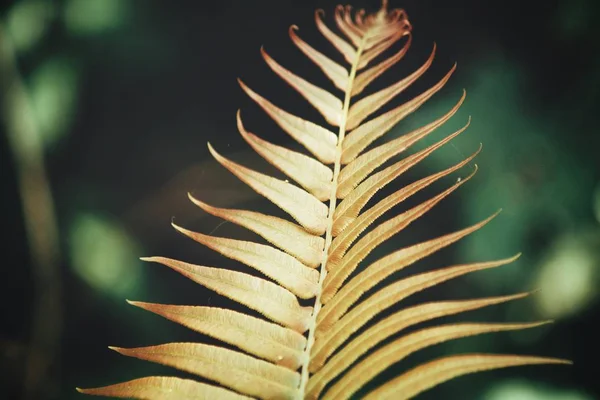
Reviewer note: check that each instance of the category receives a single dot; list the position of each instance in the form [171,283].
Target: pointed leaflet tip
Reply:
[179,228]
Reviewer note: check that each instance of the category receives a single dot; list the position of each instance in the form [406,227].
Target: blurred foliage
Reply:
[93,17]
[522,390]
[103,255]
[53,94]
[124,93]
[28,22]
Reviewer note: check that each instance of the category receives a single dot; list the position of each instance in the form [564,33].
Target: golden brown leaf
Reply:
[308,172]
[318,140]
[352,204]
[340,44]
[326,103]
[395,323]
[370,131]
[281,346]
[235,370]
[339,271]
[277,265]
[286,235]
[335,72]
[165,388]
[340,304]
[378,361]
[313,258]
[368,105]
[435,372]
[302,206]
[269,299]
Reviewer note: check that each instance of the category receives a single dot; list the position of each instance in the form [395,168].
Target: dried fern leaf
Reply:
[308,172]
[342,242]
[318,140]
[340,44]
[346,26]
[286,235]
[330,334]
[367,133]
[237,371]
[327,343]
[302,206]
[272,342]
[326,103]
[269,299]
[325,373]
[435,372]
[330,349]
[399,349]
[335,72]
[368,105]
[352,204]
[338,272]
[165,388]
[366,77]
[342,302]
[354,173]
[277,265]
[379,48]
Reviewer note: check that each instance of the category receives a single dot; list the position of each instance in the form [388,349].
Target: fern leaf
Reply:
[386,328]
[276,264]
[284,234]
[261,338]
[269,299]
[232,369]
[435,372]
[308,172]
[165,388]
[330,348]
[335,72]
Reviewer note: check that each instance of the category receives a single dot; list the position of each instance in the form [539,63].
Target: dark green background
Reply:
[128,92]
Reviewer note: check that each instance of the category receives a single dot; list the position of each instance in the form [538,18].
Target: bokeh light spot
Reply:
[104,255]
[83,17]
[53,91]
[27,22]
[521,390]
[568,275]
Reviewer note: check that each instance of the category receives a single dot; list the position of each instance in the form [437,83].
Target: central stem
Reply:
[332,204]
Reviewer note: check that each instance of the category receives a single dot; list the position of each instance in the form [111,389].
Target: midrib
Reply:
[332,205]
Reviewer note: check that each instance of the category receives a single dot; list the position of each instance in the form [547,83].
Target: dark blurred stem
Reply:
[25,141]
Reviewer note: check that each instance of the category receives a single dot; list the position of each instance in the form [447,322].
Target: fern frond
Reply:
[329,349]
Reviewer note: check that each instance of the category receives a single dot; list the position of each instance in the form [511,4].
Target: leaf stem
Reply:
[332,205]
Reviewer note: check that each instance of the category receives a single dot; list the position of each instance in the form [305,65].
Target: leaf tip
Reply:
[178,228]
[265,55]
[135,303]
